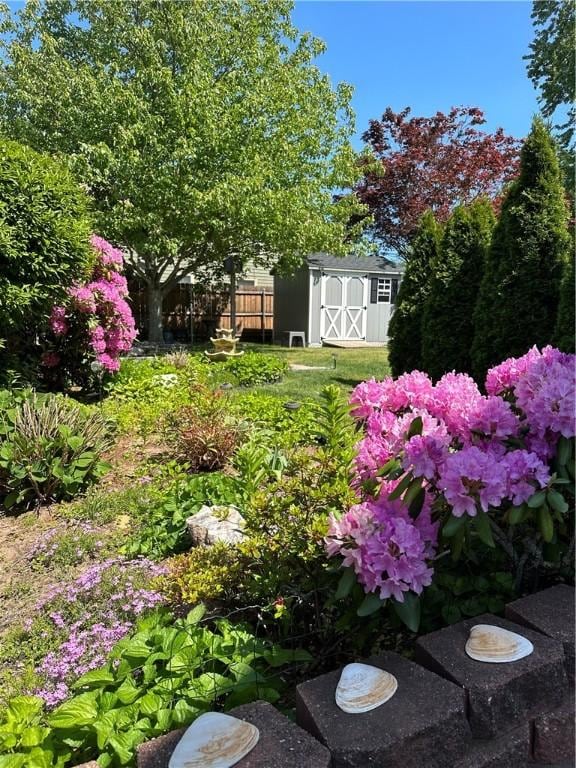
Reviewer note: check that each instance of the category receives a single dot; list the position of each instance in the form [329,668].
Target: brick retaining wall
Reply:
[448,712]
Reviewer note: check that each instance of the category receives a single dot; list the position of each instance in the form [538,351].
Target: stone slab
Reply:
[551,612]
[423,724]
[554,735]
[157,752]
[500,696]
[510,749]
[282,744]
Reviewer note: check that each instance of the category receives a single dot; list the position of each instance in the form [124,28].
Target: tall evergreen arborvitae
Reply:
[404,346]
[447,325]
[518,300]
[565,322]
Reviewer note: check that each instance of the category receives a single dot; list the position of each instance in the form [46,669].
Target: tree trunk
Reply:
[233,300]
[155,325]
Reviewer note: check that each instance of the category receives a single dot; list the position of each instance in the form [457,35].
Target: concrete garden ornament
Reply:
[224,345]
[214,740]
[496,645]
[363,687]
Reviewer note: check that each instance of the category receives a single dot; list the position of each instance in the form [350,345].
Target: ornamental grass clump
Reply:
[50,449]
[446,465]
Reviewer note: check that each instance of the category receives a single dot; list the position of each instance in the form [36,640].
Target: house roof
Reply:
[375,263]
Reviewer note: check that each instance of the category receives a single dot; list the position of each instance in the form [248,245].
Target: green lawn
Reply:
[352,367]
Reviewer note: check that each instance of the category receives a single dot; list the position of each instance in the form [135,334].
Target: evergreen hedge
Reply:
[565,322]
[518,300]
[447,325]
[405,342]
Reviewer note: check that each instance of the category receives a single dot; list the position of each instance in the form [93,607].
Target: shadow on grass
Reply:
[348,382]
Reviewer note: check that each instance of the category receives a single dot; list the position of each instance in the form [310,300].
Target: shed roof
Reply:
[352,263]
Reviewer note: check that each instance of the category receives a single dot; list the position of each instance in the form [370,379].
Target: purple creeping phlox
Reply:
[89,616]
[100,305]
[474,452]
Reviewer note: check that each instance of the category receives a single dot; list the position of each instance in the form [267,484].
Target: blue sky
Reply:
[427,54]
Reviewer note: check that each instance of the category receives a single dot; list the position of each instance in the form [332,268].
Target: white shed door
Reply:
[344,302]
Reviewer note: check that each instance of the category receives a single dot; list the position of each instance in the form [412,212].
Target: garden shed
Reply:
[337,299]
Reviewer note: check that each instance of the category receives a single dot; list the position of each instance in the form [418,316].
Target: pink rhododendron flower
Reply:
[99,309]
[471,478]
[525,474]
[473,452]
[387,550]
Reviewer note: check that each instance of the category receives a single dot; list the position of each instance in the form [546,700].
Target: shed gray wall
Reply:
[378,317]
[291,304]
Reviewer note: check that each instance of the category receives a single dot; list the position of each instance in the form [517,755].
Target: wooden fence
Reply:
[191,315]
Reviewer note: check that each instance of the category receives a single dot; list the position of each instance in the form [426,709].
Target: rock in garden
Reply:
[213,524]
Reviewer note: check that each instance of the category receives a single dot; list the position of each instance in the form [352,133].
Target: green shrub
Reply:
[256,368]
[281,564]
[44,242]
[50,449]
[456,272]
[518,299]
[405,330]
[267,411]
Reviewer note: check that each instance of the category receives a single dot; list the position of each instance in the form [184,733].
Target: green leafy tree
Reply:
[447,327]
[552,69]
[565,322]
[518,299]
[202,129]
[45,229]
[405,331]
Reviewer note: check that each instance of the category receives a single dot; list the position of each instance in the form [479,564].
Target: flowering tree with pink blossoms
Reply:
[95,324]
[444,466]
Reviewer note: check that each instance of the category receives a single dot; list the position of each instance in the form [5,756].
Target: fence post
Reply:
[263,315]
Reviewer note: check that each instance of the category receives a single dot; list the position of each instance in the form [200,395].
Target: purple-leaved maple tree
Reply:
[438,162]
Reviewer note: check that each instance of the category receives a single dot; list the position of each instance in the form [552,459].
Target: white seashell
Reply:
[214,740]
[496,645]
[362,687]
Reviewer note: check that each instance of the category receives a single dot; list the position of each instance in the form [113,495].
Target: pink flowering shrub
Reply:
[446,454]
[95,324]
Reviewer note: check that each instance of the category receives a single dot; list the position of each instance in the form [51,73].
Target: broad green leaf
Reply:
[96,678]
[370,605]
[196,614]
[409,610]
[557,502]
[24,709]
[347,581]
[401,487]
[34,736]
[564,451]
[453,525]
[482,525]
[415,427]
[545,523]
[537,500]
[517,515]
[74,713]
